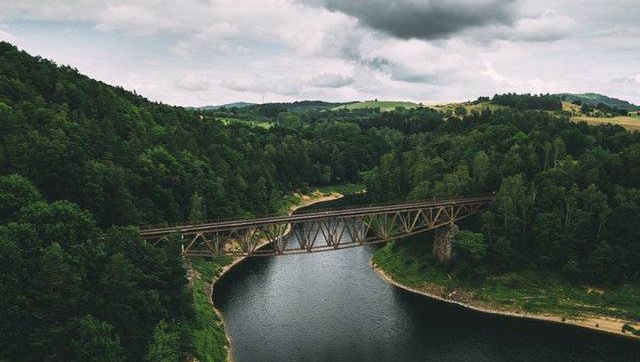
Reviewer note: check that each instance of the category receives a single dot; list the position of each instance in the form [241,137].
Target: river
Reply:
[331,306]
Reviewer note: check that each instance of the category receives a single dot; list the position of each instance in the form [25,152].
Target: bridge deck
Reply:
[342,213]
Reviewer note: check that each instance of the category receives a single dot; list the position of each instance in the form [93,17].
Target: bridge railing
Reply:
[314,210]
[405,202]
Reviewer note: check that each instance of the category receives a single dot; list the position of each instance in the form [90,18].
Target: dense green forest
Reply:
[567,193]
[82,161]
[547,102]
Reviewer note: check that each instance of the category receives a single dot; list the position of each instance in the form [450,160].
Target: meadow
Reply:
[384,106]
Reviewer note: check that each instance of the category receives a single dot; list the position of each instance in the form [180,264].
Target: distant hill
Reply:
[595,98]
[296,107]
[273,109]
[228,105]
[383,105]
[304,106]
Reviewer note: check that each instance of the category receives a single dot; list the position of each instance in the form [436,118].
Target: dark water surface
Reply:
[331,306]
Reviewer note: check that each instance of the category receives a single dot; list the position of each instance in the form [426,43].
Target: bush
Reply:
[470,251]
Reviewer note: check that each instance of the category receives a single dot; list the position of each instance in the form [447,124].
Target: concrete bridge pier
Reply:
[442,240]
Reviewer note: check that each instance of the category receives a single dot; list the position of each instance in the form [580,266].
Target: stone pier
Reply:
[442,239]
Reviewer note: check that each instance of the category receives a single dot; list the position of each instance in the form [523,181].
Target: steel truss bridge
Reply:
[316,231]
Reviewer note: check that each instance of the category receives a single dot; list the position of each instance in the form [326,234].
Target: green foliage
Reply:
[197,210]
[65,280]
[455,183]
[381,105]
[547,102]
[602,110]
[481,167]
[345,189]
[46,219]
[470,246]
[131,161]
[15,191]
[205,329]
[470,253]
[410,262]
[165,344]
[594,99]
[557,186]
[96,341]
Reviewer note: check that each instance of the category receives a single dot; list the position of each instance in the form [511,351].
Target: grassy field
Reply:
[450,107]
[207,331]
[631,123]
[411,263]
[383,105]
[574,109]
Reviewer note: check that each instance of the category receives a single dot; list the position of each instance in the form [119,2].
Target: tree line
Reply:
[548,102]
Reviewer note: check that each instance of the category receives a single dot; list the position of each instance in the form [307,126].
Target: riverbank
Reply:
[433,282]
[211,340]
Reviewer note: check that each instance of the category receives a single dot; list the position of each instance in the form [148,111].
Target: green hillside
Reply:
[595,98]
[383,105]
[227,105]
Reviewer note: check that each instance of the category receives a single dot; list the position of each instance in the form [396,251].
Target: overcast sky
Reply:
[198,52]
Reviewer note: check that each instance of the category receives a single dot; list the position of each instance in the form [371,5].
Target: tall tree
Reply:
[165,344]
[197,210]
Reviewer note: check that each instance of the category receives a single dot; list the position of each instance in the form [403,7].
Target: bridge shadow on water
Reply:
[332,306]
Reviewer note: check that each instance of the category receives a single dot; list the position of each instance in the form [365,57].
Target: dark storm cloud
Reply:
[426,19]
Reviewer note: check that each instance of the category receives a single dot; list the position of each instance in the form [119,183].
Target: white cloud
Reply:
[494,75]
[274,86]
[549,26]
[6,36]
[193,82]
[326,80]
[194,52]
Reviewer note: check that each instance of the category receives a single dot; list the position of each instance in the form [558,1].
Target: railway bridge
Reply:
[315,231]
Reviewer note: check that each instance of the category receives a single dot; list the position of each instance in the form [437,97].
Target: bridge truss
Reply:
[316,231]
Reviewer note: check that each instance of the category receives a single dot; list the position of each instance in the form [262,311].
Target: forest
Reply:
[567,193]
[83,163]
[547,102]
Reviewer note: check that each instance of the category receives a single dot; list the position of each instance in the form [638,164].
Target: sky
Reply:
[204,52]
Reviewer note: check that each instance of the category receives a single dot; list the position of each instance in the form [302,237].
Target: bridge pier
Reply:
[442,239]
